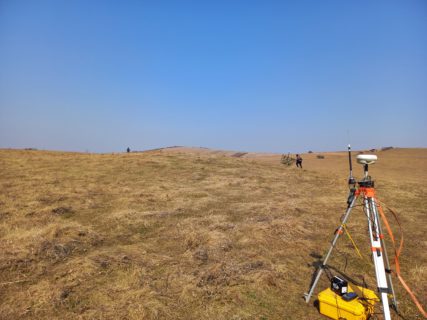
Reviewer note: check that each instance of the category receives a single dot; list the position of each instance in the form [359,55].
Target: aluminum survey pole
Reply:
[377,254]
[387,263]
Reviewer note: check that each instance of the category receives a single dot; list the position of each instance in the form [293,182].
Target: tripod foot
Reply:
[394,307]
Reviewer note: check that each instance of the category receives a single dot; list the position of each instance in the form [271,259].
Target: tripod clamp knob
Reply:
[351,196]
[352,181]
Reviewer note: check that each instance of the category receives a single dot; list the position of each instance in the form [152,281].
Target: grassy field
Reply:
[190,233]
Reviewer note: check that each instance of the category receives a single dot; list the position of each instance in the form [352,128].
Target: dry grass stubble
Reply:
[168,235]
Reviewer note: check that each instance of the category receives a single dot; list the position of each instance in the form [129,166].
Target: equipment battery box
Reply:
[334,306]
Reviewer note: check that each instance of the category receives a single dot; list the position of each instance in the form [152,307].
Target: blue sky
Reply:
[273,76]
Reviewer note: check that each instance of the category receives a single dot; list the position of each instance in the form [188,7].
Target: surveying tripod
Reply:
[366,191]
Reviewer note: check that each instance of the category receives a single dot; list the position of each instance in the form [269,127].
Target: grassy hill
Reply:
[189,233]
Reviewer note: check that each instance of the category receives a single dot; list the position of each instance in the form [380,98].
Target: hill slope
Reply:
[174,234]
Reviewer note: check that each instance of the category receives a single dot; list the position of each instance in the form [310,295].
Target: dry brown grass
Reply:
[187,234]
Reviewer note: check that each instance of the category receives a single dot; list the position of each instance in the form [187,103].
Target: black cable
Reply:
[344,275]
[345,257]
[328,273]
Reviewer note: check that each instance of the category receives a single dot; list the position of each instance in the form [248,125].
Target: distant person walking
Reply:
[128,150]
[299,161]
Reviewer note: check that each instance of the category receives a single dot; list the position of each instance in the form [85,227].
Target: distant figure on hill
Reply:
[299,161]
[128,149]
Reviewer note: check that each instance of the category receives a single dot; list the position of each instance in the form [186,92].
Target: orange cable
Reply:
[397,253]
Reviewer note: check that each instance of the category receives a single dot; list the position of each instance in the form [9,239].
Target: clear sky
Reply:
[273,76]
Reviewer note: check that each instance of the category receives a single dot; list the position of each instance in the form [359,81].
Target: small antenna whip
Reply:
[351,180]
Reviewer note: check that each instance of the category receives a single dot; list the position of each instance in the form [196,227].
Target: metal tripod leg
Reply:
[340,230]
[387,262]
[377,253]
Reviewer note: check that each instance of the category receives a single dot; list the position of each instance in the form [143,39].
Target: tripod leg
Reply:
[337,235]
[377,255]
[387,265]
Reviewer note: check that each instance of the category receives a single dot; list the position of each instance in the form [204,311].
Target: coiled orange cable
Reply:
[397,252]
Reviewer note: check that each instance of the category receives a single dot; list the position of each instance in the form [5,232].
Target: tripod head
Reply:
[365,160]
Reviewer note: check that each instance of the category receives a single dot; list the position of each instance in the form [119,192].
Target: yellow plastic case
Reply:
[334,307]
